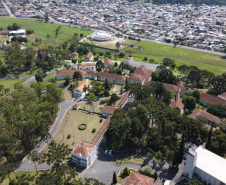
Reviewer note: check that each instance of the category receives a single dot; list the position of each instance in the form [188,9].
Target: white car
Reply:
[110,152]
[106,152]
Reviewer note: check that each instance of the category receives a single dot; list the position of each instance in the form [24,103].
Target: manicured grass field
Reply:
[41,30]
[9,84]
[130,159]
[158,52]
[70,125]
[19,173]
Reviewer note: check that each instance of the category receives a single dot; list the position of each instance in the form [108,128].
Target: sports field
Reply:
[158,52]
[41,30]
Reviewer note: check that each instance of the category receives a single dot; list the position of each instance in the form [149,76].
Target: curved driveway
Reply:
[26,163]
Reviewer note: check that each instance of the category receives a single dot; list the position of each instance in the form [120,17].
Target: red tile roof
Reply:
[113,76]
[68,72]
[84,149]
[210,117]
[87,64]
[92,73]
[141,74]
[89,55]
[138,179]
[107,61]
[211,99]
[177,102]
[109,109]
[81,86]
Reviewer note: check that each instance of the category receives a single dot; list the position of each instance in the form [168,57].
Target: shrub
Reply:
[101,120]
[126,171]
[68,136]
[94,130]
[82,126]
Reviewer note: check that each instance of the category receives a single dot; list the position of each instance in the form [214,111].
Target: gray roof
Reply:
[149,66]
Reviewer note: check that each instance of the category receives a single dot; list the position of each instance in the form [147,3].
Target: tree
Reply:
[158,155]
[189,102]
[77,76]
[97,88]
[114,181]
[217,110]
[46,17]
[194,182]
[35,157]
[107,84]
[67,80]
[91,97]
[38,87]
[117,45]
[99,65]
[181,150]
[126,84]
[196,95]
[81,35]
[39,76]
[1,87]
[208,143]
[126,171]
[114,98]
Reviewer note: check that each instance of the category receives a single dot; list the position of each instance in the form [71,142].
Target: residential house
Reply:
[141,75]
[108,111]
[79,91]
[207,99]
[177,102]
[118,79]
[84,153]
[107,62]
[212,120]
[89,57]
[128,59]
[87,66]
[61,74]
[2,43]
[138,179]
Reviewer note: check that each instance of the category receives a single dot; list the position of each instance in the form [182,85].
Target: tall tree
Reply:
[99,65]
[208,143]
[77,76]
[114,181]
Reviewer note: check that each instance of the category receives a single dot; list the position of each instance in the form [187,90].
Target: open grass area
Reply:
[70,125]
[158,52]
[87,106]
[130,159]
[129,42]
[19,173]
[41,30]
[9,84]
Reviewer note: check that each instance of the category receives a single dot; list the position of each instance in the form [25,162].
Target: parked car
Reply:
[106,152]
[110,152]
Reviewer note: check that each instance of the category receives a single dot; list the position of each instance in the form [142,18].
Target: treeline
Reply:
[150,122]
[24,120]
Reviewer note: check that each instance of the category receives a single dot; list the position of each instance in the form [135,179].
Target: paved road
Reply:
[30,80]
[26,163]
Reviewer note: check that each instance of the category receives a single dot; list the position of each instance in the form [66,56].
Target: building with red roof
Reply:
[107,62]
[61,74]
[89,57]
[108,111]
[78,91]
[207,99]
[73,55]
[118,79]
[222,96]
[84,153]
[212,120]
[141,75]
[87,66]
[138,179]
[177,102]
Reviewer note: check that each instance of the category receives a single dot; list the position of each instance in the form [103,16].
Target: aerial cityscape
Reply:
[101,92]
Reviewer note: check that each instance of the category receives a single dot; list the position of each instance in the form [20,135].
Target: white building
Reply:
[205,166]
[87,66]
[100,36]
[20,32]
[79,91]
[84,153]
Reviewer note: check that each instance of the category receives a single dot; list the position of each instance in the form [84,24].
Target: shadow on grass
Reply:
[223,57]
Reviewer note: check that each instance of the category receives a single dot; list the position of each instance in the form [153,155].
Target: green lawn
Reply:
[19,173]
[41,30]
[9,84]
[70,125]
[158,52]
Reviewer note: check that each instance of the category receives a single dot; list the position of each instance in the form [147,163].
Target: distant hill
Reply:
[195,2]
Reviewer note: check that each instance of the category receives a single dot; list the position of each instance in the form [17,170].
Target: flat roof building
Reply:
[205,166]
